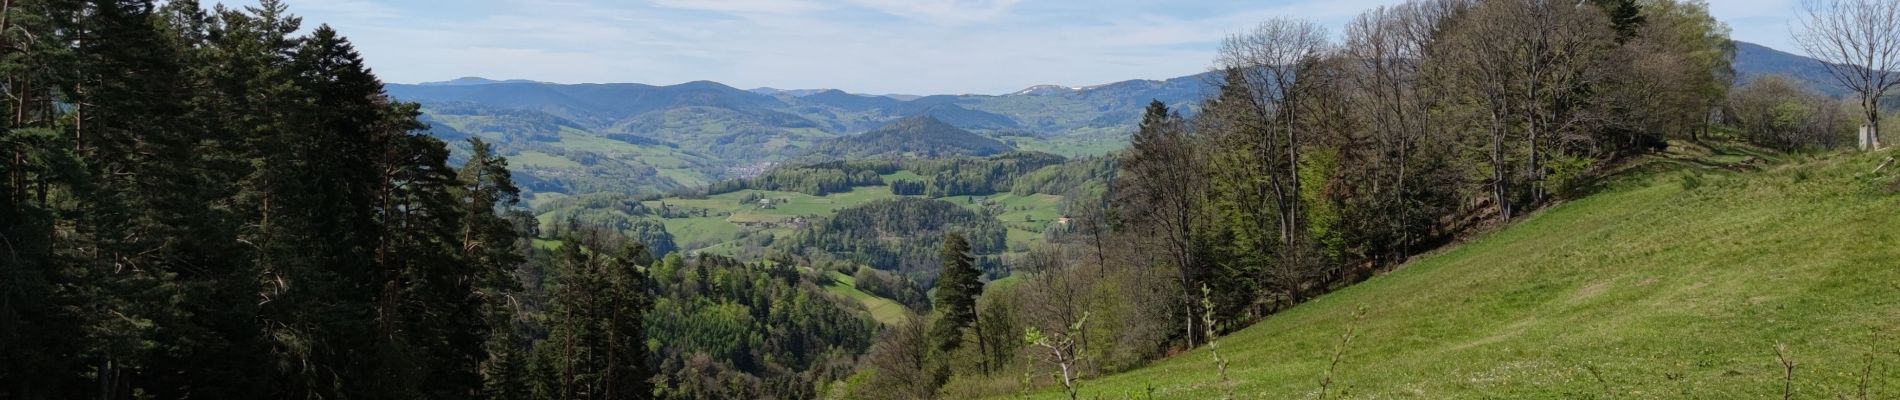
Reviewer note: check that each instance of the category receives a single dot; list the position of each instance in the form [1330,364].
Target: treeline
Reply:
[1319,162]
[908,187]
[814,179]
[205,204]
[939,177]
[1326,161]
[1781,113]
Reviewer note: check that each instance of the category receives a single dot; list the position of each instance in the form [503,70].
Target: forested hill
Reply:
[1753,61]
[920,136]
[647,139]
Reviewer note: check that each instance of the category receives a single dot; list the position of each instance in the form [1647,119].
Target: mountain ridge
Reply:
[725,129]
[921,135]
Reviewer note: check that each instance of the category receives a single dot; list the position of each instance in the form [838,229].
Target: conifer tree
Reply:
[957,290]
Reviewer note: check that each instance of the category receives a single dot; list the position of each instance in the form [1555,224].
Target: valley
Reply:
[1420,199]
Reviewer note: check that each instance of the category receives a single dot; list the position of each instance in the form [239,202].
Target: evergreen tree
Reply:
[957,290]
[597,347]
[1625,15]
[489,243]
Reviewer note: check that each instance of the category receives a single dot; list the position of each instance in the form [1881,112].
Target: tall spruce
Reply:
[597,346]
[1159,187]
[957,289]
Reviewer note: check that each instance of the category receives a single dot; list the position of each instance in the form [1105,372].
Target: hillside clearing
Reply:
[883,310]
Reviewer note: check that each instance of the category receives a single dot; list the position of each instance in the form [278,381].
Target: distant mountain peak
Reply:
[771,91]
[1046,90]
[917,135]
[474,80]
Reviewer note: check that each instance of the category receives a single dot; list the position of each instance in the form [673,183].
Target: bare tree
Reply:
[1778,112]
[901,358]
[1388,49]
[1272,62]
[1061,350]
[1527,63]
[1160,184]
[1859,43]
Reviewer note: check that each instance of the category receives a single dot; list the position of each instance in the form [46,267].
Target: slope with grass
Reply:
[884,310]
[1673,285]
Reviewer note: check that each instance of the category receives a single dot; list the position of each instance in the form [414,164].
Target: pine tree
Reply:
[489,244]
[596,348]
[957,289]
[1625,15]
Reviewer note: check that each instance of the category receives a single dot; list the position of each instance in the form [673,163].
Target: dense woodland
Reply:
[938,177]
[903,234]
[219,203]
[205,204]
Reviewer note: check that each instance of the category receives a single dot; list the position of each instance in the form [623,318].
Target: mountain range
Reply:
[691,133]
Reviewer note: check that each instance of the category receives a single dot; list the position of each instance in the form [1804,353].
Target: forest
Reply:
[226,203]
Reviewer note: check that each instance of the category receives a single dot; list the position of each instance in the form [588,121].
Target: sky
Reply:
[863,46]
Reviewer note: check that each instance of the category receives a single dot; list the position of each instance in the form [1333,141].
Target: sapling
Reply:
[1345,341]
[1059,350]
[1213,346]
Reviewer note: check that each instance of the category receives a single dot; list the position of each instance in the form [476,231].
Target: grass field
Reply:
[1025,216]
[1677,285]
[547,244]
[883,310]
[725,213]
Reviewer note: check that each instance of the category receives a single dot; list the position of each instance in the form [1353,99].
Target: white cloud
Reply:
[879,46]
[362,9]
[743,6]
[949,12]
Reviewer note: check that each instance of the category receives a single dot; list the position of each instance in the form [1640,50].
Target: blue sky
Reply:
[866,46]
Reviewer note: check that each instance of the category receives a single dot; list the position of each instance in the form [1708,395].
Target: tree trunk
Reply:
[982,347]
[1873,122]
[1498,187]
[1187,309]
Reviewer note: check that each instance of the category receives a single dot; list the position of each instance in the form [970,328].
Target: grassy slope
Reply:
[883,310]
[724,210]
[1025,216]
[1662,290]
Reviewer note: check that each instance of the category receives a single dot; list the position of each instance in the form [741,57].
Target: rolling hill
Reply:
[705,131]
[1672,285]
[920,136]
[1754,61]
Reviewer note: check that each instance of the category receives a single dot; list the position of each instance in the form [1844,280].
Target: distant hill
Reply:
[599,104]
[919,136]
[1754,61]
[788,92]
[715,131]
[710,112]
[474,80]
[667,137]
